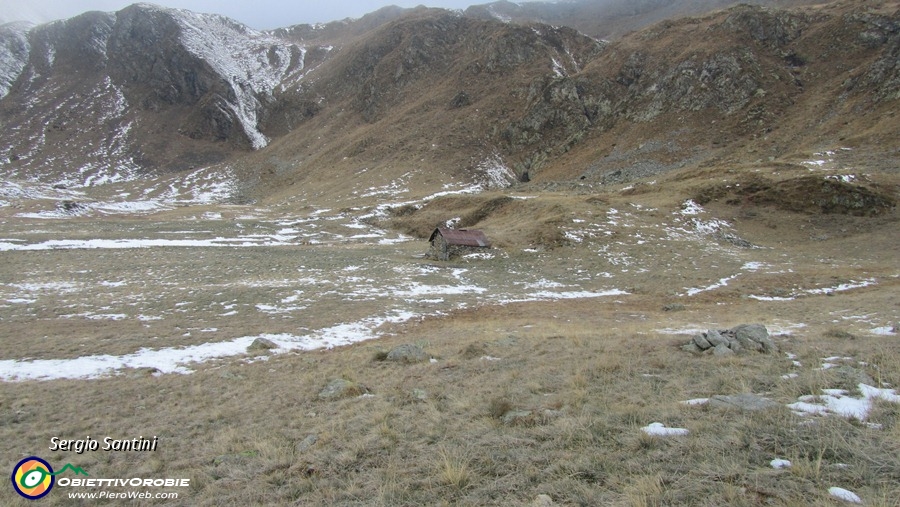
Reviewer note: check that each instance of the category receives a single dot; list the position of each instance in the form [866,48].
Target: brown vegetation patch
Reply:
[806,194]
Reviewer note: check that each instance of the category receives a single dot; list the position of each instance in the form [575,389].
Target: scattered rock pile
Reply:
[739,339]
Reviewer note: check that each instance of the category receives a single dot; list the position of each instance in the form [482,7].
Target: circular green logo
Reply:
[32,478]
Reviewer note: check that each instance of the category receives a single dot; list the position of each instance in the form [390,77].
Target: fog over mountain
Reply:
[261,15]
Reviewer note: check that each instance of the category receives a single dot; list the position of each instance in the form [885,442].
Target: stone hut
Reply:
[447,243]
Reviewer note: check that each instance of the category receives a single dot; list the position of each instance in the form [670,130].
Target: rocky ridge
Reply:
[610,19]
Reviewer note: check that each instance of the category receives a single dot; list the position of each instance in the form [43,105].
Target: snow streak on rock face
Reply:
[494,173]
[14,49]
[103,144]
[254,64]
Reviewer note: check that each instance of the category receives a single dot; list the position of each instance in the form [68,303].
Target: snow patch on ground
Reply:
[178,359]
[780,463]
[200,186]
[119,244]
[844,494]
[659,430]
[718,285]
[839,402]
[851,285]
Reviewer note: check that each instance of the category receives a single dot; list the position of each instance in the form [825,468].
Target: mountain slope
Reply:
[422,96]
[146,88]
[416,100]
[743,85]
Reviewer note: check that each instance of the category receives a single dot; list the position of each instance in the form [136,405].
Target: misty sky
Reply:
[259,14]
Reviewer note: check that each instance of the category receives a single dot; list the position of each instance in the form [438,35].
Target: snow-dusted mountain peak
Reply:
[96,89]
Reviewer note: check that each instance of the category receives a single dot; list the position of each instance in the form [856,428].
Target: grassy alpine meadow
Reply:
[553,366]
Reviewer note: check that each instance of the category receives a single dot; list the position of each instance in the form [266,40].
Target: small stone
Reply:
[845,495]
[261,344]
[715,338]
[722,350]
[755,333]
[143,372]
[779,463]
[747,344]
[701,342]
[419,394]
[692,348]
[542,501]
[340,388]
[744,401]
[307,442]
[517,417]
[734,345]
[408,353]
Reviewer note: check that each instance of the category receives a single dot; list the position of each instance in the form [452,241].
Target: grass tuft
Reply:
[453,468]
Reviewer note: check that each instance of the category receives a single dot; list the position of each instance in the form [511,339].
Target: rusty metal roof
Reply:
[461,237]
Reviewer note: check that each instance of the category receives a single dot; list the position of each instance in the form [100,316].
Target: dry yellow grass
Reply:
[587,387]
